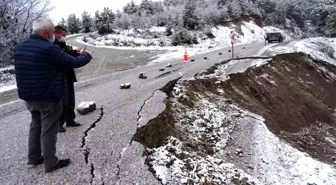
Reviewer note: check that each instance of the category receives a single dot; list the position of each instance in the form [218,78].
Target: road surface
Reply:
[111,60]
[106,61]
[101,149]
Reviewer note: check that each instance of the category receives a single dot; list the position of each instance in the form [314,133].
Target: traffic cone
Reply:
[185,56]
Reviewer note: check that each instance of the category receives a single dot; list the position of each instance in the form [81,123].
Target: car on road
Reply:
[275,36]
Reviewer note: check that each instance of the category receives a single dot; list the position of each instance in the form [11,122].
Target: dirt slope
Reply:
[294,93]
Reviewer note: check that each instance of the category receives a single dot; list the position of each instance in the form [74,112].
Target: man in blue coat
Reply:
[40,68]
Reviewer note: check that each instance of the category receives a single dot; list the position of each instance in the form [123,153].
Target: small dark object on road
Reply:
[243,47]
[205,58]
[192,60]
[142,76]
[169,65]
[125,86]
[220,53]
[229,50]
[161,69]
[86,107]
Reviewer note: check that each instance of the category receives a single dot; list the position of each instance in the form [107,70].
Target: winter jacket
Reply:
[70,74]
[40,68]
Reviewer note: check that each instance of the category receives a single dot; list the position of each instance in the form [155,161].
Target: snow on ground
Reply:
[174,163]
[156,39]
[213,120]
[277,163]
[7,79]
[284,164]
[73,35]
[235,66]
[319,48]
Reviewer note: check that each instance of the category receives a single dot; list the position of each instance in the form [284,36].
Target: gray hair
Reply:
[41,24]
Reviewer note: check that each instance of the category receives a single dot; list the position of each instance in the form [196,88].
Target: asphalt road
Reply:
[106,61]
[106,154]
[111,60]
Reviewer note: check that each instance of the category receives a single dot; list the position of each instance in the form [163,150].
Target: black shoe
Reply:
[41,161]
[59,165]
[61,129]
[73,124]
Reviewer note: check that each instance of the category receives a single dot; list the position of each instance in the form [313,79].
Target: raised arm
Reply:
[60,57]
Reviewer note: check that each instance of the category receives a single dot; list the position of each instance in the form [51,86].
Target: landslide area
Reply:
[294,93]
[297,97]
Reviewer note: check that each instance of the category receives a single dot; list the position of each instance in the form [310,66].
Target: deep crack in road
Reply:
[87,150]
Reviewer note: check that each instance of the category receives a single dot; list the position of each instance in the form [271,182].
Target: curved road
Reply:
[101,149]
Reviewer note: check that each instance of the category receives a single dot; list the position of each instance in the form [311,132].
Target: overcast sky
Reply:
[62,8]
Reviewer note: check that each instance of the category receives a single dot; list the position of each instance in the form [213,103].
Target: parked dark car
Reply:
[274,37]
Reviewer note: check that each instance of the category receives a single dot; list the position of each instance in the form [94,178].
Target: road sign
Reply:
[232,36]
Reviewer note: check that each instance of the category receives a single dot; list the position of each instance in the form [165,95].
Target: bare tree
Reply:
[16,20]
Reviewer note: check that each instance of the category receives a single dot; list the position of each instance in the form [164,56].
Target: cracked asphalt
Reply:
[101,149]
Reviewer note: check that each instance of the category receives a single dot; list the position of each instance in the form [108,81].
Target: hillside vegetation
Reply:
[302,17]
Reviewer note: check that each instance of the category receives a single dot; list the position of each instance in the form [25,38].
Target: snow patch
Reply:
[235,66]
[7,79]
[6,87]
[174,163]
[275,162]
[285,164]
[85,105]
[319,48]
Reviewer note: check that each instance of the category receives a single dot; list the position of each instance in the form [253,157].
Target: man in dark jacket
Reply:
[40,68]
[68,112]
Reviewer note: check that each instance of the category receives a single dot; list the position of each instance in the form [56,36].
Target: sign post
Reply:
[265,36]
[232,42]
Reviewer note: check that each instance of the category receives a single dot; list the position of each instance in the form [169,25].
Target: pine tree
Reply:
[234,9]
[63,23]
[98,20]
[295,13]
[86,22]
[73,24]
[108,18]
[146,7]
[173,2]
[190,19]
[331,25]
[130,8]
[104,21]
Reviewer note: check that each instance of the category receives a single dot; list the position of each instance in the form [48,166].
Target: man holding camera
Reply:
[68,113]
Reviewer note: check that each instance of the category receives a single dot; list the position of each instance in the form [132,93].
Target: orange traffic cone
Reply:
[185,56]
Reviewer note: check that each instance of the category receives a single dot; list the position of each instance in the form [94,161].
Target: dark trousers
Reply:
[68,114]
[43,131]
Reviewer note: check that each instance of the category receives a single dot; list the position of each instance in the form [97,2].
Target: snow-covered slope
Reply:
[319,48]
[7,79]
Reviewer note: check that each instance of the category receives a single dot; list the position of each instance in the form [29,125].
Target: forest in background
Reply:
[180,17]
